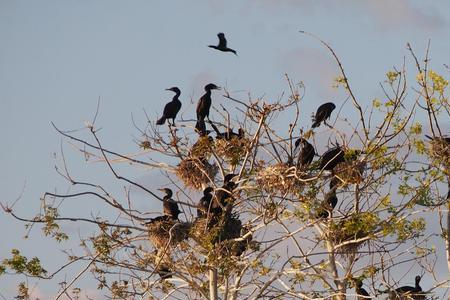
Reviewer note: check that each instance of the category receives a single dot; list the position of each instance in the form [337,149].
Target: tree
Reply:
[283,229]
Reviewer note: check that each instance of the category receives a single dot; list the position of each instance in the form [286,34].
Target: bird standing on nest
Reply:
[323,113]
[222,46]
[170,207]
[172,108]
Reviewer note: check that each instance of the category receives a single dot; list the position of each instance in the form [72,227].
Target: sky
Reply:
[57,58]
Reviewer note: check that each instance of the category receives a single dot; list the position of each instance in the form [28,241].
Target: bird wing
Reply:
[222,40]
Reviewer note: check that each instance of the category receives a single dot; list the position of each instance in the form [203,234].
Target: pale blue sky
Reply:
[57,57]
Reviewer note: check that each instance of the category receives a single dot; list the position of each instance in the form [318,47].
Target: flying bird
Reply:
[323,113]
[222,46]
[204,104]
[172,108]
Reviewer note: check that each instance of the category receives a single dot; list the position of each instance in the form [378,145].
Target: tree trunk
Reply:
[213,284]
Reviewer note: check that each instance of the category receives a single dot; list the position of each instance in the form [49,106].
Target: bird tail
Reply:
[161,121]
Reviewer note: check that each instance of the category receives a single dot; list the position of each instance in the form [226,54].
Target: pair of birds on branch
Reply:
[172,108]
[403,292]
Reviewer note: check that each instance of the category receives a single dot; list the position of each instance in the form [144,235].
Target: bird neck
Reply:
[175,98]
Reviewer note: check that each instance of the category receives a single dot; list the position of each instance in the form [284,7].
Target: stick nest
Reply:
[162,232]
[440,152]
[279,178]
[195,172]
[232,150]
[202,149]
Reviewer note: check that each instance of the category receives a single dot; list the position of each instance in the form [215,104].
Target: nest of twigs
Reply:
[167,232]
[279,178]
[232,150]
[202,149]
[350,172]
[440,152]
[349,230]
[194,172]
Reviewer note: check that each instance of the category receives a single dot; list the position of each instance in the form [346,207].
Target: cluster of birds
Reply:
[217,203]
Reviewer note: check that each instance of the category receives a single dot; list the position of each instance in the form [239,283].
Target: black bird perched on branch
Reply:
[172,108]
[332,158]
[222,194]
[445,139]
[204,104]
[307,152]
[170,207]
[328,204]
[205,202]
[360,291]
[222,44]
[414,292]
[229,134]
[323,113]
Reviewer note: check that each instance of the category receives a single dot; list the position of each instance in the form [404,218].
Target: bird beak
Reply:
[217,88]
[162,190]
[168,89]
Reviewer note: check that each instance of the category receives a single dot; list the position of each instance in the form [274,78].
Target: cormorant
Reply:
[170,207]
[410,291]
[223,194]
[307,152]
[172,108]
[332,158]
[360,291]
[164,272]
[222,44]
[328,204]
[205,202]
[229,134]
[204,104]
[323,113]
[445,139]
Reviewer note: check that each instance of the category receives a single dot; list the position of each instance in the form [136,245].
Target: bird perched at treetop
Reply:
[172,108]
[323,113]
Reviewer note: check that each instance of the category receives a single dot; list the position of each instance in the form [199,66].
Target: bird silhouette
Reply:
[204,204]
[412,292]
[328,204]
[172,108]
[360,291]
[222,46]
[204,104]
[229,134]
[323,113]
[444,139]
[223,194]
[307,152]
[332,158]
[170,207]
